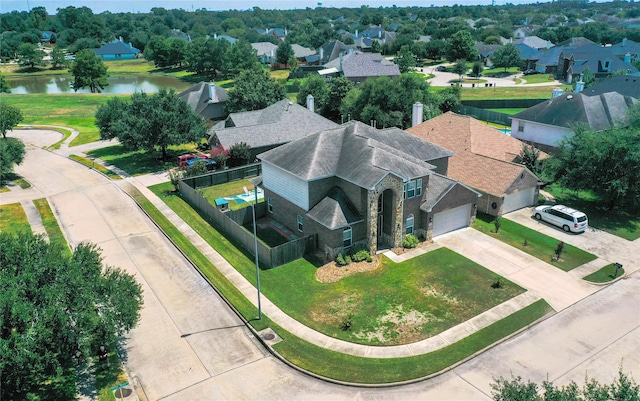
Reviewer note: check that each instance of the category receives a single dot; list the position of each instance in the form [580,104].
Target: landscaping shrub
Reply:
[410,241]
[498,283]
[360,255]
[340,260]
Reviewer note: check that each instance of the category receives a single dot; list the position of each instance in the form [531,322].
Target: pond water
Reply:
[118,84]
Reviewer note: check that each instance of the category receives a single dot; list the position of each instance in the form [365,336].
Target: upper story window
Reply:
[300,223]
[270,205]
[347,235]
[606,64]
[412,188]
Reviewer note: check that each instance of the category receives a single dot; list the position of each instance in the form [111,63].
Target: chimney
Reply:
[416,117]
[579,85]
[215,36]
[356,34]
[211,91]
[627,58]
[340,61]
[121,40]
[556,92]
[624,42]
[310,103]
[321,54]
[548,44]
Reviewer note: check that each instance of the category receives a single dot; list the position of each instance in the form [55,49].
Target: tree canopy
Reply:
[461,46]
[88,71]
[284,52]
[30,55]
[4,85]
[389,101]
[12,152]
[254,90]
[606,163]
[10,116]
[506,56]
[405,59]
[148,122]
[57,308]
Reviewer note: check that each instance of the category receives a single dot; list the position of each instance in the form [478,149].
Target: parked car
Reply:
[441,68]
[530,72]
[571,220]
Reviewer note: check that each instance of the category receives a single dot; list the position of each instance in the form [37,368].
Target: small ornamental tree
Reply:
[88,70]
[460,68]
[239,154]
[220,155]
[10,116]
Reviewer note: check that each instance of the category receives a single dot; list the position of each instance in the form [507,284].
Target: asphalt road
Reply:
[190,346]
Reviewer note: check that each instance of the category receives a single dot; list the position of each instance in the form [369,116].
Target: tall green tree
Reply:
[606,163]
[12,152]
[88,70]
[241,56]
[284,52]
[316,86]
[150,122]
[406,61]
[30,55]
[460,68]
[10,116]
[376,46]
[506,56]
[338,90]
[461,46]
[477,68]
[58,58]
[205,56]
[254,90]
[4,85]
[57,309]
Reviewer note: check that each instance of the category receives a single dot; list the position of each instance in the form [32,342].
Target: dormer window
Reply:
[605,65]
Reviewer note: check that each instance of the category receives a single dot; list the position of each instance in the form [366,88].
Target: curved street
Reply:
[191,346]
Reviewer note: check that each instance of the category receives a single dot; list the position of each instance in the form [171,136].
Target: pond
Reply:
[118,84]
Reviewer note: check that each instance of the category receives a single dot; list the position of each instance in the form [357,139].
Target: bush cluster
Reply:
[410,241]
[353,255]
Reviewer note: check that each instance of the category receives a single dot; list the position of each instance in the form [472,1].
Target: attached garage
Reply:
[451,219]
[518,200]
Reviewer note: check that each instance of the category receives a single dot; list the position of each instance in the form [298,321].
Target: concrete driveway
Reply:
[190,346]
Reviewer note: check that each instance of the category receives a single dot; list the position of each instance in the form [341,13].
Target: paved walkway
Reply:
[443,78]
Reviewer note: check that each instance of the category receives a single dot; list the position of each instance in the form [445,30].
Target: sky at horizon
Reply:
[118,6]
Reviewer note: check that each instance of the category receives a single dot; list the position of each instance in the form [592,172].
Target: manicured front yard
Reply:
[13,219]
[138,162]
[605,274]
[624,223]
[311,357]
[532,242]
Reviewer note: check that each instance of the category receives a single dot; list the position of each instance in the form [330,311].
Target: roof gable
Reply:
[335,210]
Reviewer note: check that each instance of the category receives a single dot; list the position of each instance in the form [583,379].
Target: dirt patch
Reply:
[331,272]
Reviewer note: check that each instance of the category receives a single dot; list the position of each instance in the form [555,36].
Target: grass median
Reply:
[51,226]
[533,242]
[13,219]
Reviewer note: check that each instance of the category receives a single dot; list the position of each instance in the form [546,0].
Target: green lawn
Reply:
[139,162]
[13,219]
[538,245]
[605,274]
[228,189]
[538,78]
[91,164]
[309,356]
[507,92]
[622,223]
[510,111]
[51,225]
[438,290]
[68,110]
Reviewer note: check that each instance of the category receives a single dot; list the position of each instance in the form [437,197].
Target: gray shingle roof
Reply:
[439,185]
[116,47]
[597,112]
[203,94]
[349,152]
[279,123]
[358,64]
[335,210]
[265,48]
[626,85]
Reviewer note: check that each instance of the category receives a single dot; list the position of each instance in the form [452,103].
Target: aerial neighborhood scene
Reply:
[279,200]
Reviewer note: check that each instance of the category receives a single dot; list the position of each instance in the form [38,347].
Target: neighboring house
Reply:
[331,50]
[377,32]
[225,37]
[117,50]
[358,66]
[599,60]
[485,159]
[524,31]
[206,99]
[47,36]
[178,34]
[355,185]
[627,50]
[266,52]
[534,42]
[302,53]
[280,123]
[551,121]
[485,51]
[280,33]
[626,85]
[545,61]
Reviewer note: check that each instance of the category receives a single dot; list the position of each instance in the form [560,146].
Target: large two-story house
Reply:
[355,185]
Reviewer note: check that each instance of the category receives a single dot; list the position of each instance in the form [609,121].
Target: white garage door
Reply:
[451,219]
[518,200]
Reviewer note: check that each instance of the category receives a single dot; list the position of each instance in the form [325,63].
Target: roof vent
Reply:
[569,97]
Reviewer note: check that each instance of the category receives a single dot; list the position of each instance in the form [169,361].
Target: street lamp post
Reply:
[255,243]
[92,161]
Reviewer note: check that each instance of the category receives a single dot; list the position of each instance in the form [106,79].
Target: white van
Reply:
[570,220]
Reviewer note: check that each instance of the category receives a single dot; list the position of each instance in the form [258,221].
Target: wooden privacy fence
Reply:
[223,176]
[231,222]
